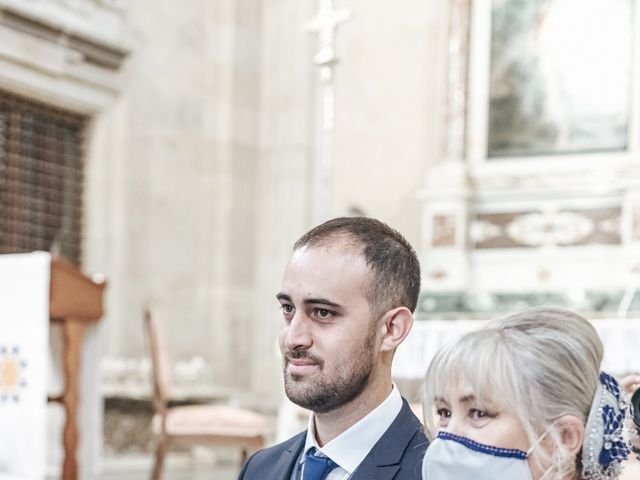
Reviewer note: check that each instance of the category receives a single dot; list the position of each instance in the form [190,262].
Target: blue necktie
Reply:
[315,467]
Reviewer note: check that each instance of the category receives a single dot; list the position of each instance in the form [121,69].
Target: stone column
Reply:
[446,192]
[289,89]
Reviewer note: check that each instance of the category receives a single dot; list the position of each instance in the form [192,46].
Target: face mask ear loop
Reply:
[549,470]
[539,441]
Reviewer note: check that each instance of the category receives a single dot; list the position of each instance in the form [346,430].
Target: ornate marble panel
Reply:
[443,231]
[563,228]
[635,234]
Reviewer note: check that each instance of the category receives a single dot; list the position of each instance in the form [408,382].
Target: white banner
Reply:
[24,347]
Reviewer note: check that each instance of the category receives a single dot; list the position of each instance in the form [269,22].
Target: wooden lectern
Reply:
[75,301]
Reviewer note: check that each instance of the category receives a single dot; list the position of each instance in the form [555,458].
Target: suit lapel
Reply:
[368,470]
[285,464]
[383,461]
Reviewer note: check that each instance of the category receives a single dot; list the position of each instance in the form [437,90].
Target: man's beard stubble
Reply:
[322,394]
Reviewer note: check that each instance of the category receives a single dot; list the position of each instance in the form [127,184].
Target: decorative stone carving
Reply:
[635,236]
[457,73]
[65,52]
[540,229]
[536,229]
[482,231]
[102,54]
[437,275]
[444,231]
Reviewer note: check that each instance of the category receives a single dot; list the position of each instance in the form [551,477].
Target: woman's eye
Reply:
[442,417]
[443,413]
[478,414]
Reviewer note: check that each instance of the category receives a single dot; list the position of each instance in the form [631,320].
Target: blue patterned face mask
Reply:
[451,457]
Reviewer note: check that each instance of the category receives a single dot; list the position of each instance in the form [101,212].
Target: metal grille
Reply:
[41,178]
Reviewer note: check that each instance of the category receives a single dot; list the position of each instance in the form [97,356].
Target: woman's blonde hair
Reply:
[541,364]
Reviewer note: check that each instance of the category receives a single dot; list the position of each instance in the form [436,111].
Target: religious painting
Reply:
[560,76]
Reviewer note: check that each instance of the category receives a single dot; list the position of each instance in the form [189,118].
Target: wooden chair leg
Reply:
[244,454]
[158,464]
[250,449]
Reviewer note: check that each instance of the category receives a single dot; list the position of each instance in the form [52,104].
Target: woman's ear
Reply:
[571,430]
[396,325]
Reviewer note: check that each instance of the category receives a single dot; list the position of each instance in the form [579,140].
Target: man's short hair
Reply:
[395,270]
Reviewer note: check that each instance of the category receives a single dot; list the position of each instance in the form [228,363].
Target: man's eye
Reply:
[287,309]
[323,313]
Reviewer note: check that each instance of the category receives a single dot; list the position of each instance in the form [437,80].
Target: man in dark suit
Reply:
[348,297]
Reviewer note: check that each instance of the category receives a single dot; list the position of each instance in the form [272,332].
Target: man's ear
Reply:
[395,326]
[571,431]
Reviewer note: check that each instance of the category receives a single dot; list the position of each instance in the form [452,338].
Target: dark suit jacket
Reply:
[397,455]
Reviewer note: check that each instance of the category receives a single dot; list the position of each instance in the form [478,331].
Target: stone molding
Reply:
[48,54]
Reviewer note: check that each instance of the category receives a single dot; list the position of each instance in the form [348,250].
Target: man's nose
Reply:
[298,334]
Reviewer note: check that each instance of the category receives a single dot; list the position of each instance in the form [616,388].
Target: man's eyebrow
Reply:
[321,301]
[310,301]
[283,296]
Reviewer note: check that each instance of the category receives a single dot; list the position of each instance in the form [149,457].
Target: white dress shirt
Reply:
[351,447]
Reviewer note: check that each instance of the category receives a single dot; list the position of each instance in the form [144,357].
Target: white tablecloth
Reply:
[621,340]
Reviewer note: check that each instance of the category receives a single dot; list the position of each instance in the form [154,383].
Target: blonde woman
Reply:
[524,399]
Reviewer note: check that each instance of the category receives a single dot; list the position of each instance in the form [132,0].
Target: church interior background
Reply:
[188,144]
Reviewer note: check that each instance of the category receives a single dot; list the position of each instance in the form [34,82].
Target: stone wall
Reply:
[201,156]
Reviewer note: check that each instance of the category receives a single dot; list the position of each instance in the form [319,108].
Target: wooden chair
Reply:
[194,424]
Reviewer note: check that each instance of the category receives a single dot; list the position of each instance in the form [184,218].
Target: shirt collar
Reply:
[351,447]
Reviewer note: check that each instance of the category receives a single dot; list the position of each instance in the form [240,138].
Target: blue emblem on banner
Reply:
[12,374]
